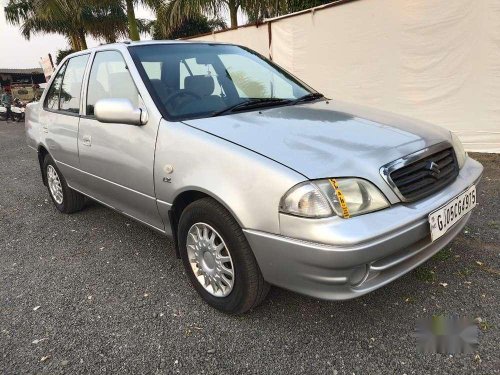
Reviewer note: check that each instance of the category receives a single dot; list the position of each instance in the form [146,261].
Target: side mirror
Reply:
[119,110]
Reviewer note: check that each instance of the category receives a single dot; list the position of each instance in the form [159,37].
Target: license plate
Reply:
[446,216]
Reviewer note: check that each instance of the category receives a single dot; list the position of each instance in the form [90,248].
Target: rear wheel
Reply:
[64,198]
[217,258]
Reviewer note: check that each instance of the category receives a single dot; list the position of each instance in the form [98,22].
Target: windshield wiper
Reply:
[306,98]
[251,103]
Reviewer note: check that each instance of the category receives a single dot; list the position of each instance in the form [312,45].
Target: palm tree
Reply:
[255,9]
[134,25]
[74,19]
[192,25]
[27,15]
[133,30]
[274,8]
[179,9]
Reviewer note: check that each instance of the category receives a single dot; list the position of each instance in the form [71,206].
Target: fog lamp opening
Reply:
[358,275]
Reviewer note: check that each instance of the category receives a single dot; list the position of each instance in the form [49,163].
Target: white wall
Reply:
[438,61]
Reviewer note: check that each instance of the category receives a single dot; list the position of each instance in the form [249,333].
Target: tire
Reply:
[69,200]
[249,288]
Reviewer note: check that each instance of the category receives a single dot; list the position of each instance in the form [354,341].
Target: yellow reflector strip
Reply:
[340,197]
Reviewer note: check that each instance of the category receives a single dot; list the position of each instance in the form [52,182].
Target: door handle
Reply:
[87,140]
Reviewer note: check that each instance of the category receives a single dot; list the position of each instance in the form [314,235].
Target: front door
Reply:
[117,159]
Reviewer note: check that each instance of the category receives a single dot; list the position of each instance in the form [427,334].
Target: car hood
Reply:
[326,139]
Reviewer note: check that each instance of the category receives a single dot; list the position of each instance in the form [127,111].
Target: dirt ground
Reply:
[95,292]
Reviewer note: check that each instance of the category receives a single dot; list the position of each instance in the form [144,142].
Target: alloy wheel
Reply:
[210,259]
[54,184]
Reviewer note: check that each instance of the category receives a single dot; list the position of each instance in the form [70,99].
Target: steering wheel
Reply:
[176,94]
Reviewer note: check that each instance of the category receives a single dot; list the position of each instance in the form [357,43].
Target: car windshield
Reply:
[194,80]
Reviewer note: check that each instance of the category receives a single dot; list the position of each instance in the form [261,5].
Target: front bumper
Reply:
[339,259]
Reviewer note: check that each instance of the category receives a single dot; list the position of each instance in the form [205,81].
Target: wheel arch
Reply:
[184,199]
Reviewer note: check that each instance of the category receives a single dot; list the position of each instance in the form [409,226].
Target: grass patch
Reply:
[424,273]
[465,272]
[491,270]
[410,300]
[444,254]
[494,224]
[484,326]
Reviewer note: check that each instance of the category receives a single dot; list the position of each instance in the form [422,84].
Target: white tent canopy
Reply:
[438,61]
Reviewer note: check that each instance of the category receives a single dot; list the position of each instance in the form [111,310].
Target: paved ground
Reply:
[95,292]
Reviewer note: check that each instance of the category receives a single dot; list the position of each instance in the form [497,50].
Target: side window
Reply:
[72,84]
[52,98]
[109,78]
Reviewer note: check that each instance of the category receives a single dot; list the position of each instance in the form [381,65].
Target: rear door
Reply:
[117,159]
[61,115]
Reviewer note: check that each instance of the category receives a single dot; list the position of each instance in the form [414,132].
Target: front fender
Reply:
[248,184]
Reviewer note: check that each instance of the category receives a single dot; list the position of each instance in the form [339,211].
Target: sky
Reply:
[17,52]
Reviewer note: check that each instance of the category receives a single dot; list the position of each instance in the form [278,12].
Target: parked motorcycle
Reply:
[3,112]
[18,108]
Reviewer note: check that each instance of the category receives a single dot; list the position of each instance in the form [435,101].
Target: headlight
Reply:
[459,150]
[306,200]
[344,197]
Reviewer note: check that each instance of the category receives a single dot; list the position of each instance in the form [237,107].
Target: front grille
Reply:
[427,175]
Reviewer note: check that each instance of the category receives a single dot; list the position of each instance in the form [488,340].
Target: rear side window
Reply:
[110,78]
[64,93]
[52,99]
[69,99]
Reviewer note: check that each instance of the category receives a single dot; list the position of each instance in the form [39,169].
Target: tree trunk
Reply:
[133,31]
[233,12]
[81,39]
[75,43]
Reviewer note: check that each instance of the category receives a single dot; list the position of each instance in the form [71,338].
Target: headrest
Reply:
[201,85]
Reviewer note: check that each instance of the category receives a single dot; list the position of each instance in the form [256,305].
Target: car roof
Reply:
[147,42]
[124,45]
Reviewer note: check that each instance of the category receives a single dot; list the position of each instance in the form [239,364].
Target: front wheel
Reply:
[218,259]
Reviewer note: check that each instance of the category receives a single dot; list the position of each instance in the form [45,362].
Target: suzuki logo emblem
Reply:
[433,168]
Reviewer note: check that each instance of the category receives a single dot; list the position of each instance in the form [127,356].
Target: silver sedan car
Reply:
[258,178]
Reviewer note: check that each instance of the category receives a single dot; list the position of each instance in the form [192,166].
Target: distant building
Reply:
[31,76]
[24,83]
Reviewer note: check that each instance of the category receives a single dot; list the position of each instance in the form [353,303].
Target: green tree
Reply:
[274,8]
[105,20]
[62,53]
[256,10]
[73,19]
[134,25]
[189,26]
[179,9]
